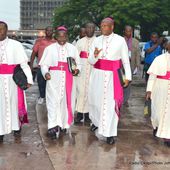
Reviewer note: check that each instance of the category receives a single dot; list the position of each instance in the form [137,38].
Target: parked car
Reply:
[28,50]
[27,45]
[32,42]
[168,37]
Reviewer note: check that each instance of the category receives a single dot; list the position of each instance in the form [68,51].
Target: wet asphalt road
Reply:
[27,152]
[79,149]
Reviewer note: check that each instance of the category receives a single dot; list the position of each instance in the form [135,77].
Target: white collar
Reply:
[61,46]
[108,36]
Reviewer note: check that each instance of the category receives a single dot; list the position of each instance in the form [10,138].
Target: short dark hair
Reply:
[48,27]
[128,26]
[154,33]
[89,23]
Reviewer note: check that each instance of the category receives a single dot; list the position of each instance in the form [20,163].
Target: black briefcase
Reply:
[71,64]
[121,75]
[20,78]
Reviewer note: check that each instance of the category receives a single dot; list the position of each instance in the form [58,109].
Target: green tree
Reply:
[76,13]
[153,15]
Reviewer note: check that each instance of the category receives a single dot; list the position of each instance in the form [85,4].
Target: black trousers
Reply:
[41,83]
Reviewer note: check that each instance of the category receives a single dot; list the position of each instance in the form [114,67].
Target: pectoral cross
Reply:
[61,67]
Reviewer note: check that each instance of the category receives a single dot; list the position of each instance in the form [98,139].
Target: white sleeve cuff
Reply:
[27,71]
[44,70]
[151,82]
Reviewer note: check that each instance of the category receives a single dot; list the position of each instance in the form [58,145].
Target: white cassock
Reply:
[160,95]
[11,53]
[101,91]
[82,81]
[56,98]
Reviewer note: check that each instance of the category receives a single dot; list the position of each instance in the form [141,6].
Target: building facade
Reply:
[37,14]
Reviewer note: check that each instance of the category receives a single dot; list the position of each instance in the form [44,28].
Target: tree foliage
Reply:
[153,15]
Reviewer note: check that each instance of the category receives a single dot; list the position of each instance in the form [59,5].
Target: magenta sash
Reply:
[83,54]
[108,65]
[22,113]
[166,77]
[63,66]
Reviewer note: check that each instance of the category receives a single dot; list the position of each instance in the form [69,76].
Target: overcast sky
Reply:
[10,13]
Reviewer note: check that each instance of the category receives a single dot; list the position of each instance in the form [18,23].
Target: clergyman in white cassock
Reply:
[60,98]
[82,81]
[13,108]
[158,89]
[108,53]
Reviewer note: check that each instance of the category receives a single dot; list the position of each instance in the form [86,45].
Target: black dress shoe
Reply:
[87,119]
[57,128]
[53,136]
[93,127]
[78,118]
[110,140]
[155,131]
[167,143]
[52,133]
[63,130]
[1,138]
[17,133]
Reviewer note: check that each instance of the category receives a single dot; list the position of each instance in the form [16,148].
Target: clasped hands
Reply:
[48,76]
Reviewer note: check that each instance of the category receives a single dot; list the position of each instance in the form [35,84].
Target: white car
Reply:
[28,50]
[168,37]
[27,45]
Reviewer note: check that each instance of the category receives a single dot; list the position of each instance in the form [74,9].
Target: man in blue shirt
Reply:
[152,50]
